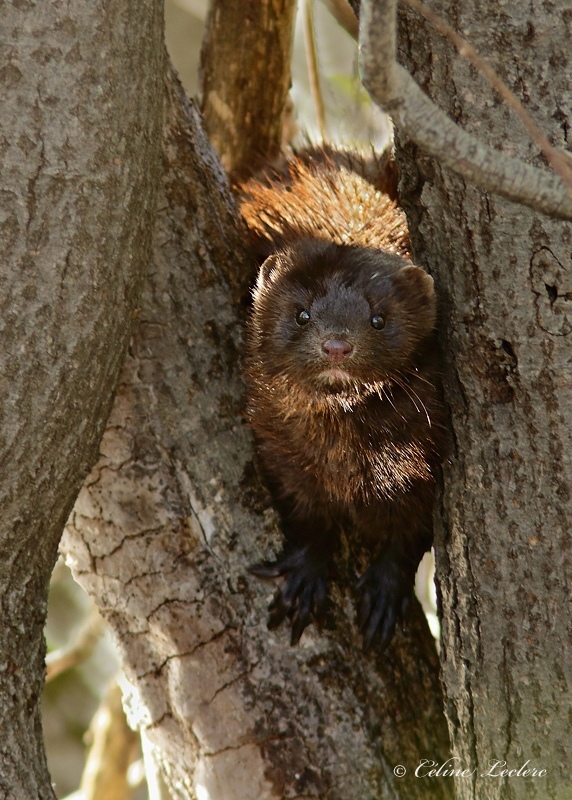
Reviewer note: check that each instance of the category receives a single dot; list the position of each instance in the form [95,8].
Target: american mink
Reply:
[343,396]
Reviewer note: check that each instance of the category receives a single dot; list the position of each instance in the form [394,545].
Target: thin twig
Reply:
[80,649]
[113,748]
[344,15]
[559,161]
[417,117]
[312,62]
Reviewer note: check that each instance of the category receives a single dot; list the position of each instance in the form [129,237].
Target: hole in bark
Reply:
[509,350]
[552,292]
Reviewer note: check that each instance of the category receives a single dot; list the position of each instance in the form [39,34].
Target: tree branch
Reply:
[80,158]
[253,42]
[313,67]
[79,650]
[113,748]
[344,15]
[560,162]
[416,116]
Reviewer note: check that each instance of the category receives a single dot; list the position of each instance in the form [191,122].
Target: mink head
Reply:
[336,318]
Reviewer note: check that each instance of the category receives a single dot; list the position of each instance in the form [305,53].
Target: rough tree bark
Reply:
[79,156]
[505,278]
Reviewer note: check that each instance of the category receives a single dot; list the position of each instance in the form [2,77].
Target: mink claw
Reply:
[278,612]
[267,570]
[300,622]
[386,592]
[381,624]
[302,596]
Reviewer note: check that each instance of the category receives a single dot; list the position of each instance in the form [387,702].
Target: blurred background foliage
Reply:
[82,715]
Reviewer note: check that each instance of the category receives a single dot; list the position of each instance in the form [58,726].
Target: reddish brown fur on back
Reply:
[321,197]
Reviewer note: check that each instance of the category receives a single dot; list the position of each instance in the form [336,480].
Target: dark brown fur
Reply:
[345,408]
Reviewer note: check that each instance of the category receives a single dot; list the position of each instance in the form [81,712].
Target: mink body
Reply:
[343,396]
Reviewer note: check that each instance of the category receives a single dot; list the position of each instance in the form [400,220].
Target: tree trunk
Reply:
[504,277]
[79,161]
[247,46]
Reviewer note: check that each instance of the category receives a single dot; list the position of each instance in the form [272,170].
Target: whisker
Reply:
[412,394]
[384,391]
[417,376]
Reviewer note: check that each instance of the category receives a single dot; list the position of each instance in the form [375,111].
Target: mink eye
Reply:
[377,322]
[303,317]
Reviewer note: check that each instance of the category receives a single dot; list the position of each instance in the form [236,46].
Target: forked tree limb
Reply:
[416,116]
[560,161]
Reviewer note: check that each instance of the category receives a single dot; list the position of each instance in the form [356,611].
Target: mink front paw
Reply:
[386,591]
[303,596]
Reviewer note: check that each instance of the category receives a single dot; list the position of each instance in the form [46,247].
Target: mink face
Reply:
[340,319]
[342,391]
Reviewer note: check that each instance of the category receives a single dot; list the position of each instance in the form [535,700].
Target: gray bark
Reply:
[426,124]
[79,153]
[503,274]
[169,520]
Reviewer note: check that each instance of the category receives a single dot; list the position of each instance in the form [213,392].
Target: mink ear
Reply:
[268,271]
[416,279]
[417,293]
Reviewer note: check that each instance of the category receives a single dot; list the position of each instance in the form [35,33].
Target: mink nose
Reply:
[336,349]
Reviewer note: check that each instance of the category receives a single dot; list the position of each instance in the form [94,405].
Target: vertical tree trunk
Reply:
[245,78]
[504,277]
[78,142]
